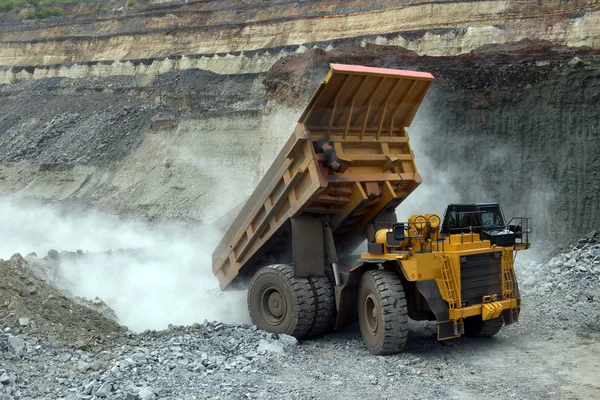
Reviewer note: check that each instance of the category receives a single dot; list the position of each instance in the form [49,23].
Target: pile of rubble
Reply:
[565,290]
[48,269]
[54,345]
[573,272]
[30,303]
[204,359]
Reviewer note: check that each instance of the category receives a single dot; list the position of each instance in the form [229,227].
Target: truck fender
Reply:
[430,291]
[347,295]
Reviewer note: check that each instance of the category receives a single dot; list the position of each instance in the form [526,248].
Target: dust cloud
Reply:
[454,180]
[437,188]
[151,275]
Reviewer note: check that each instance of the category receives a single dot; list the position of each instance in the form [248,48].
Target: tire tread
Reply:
[390,291]
[324,306]
[302,297]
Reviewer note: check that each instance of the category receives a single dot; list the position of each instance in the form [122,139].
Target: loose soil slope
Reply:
[31,305]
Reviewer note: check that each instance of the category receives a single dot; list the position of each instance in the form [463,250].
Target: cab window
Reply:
[491,217]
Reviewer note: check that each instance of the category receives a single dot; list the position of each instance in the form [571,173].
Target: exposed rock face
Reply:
[252,35]
[135,137]
[514,124]
[505,125]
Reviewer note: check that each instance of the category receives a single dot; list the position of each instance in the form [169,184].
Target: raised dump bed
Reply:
[336,184]
[347,162]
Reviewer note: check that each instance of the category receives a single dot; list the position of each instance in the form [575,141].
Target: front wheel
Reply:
[280,303]
[382,312]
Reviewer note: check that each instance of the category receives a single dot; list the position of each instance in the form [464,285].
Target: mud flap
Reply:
[510,316]
[347,296]
[450,329]
[439,307]
[308,247]
[431,292]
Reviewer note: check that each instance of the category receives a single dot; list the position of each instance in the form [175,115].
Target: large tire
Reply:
[324,306]
[280,303]
[382,312]
[475,327]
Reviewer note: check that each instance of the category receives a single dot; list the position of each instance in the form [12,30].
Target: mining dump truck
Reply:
[318,244]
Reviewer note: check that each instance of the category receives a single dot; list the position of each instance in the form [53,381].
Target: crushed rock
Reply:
[48,269]
[210,358]
[216,360]
[565,290]
[48,313]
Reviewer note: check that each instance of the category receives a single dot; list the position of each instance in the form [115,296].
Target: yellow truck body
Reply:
[334,186]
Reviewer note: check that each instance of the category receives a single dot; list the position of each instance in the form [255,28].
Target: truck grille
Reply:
[480,275]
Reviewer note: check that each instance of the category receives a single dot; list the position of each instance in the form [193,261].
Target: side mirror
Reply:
[398,230]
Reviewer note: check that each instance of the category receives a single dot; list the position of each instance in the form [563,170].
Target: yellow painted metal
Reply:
[381,236]
[474,310]
[434,220]
[509,280]
[490,310]
[425,266]
[422,234]
[418,222]
[449,283]
[380,257]
[440,260]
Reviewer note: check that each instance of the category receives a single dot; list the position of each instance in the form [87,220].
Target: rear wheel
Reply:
[382,312]
[324,305]
[280,303]
[476,327]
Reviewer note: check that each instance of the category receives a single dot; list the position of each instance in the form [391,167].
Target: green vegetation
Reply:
[9,5]
[130,3]
[45,12]
[38,10]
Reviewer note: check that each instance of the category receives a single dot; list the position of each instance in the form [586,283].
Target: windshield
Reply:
[491,217]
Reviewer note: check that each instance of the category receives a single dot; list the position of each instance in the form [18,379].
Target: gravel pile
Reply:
[32,305]
[238,361]
[575,273]
[200,361]
[565,291]
[48,269]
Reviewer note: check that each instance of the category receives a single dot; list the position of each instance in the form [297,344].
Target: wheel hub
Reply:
[371,314]
[276,304]
[273,305]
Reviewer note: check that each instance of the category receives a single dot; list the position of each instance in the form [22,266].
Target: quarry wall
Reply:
[146,116]
[249,38]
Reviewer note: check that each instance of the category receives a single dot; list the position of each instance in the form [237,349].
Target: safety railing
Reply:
[522,229]
[519,226]
[464,227]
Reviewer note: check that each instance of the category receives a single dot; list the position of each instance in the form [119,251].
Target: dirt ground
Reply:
[551,353]
[524,361]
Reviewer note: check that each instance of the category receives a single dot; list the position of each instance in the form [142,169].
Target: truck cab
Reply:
[486,219]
